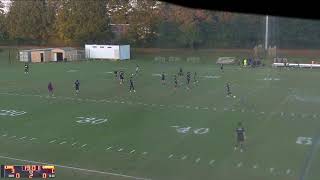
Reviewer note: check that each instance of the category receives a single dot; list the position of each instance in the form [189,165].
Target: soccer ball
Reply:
[234,96]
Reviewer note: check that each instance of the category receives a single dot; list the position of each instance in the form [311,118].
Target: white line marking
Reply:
[75,168]
[171,155]
[83,145]
[161,105]
[5,135]
[184,157]
[109,148]
[63,142]
[145,104]
[52,141]
[23,137]
[73,144]
[132,151]
[212,161]
[239,164]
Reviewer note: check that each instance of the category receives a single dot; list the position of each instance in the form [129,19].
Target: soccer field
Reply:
[160,133]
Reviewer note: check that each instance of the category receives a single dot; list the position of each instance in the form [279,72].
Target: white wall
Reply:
[124,52]
[101,51]
[107,51]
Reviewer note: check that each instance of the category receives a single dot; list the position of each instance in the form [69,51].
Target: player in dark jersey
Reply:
[175,82]
[50,89]
[229,94]
[188,79]
[115,74]
[163,78]
[121,77]
[195,80]
[221,67]
[77,86]
[180,72]
[26,68]
[131,85]
[241,136]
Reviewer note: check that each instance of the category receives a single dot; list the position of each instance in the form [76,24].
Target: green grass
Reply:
[147,128]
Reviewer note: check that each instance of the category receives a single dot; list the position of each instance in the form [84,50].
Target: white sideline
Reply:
[74,168]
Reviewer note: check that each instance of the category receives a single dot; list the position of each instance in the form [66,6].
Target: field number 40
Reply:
[184,130]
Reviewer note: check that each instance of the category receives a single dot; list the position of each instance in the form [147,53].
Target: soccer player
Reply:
[50,89]
[195,78]
[175,82]
[228,89]
[137,69]
[240,133]
[163,78]
[121,77]
[77,86]
[188,79]
[221,67]
[180,72]
[115,74]
[26,68]
[131,85]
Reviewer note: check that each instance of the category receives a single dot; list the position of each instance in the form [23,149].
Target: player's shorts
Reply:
[240,138]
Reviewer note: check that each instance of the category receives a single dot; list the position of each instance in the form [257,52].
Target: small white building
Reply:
[117,52]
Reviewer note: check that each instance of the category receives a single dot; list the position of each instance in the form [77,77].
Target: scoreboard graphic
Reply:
[27,171]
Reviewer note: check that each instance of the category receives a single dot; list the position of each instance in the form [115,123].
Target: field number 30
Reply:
[304,140]
[90,120]
[184,130]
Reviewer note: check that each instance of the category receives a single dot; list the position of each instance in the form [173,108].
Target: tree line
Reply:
[146,23]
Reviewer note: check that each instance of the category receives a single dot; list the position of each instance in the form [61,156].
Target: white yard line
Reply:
[184,158]
[83,145]
[52,141]
[212,161]
[75,168]
[63,142]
